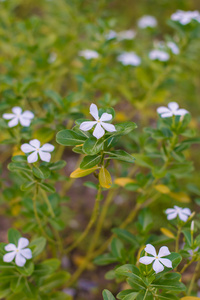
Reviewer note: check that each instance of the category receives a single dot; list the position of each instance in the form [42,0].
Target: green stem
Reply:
[90,224]
[194,278]
[46,199]
[177,239]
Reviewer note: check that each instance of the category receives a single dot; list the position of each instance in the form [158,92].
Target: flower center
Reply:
[157,257]
[98,121]
[17,250]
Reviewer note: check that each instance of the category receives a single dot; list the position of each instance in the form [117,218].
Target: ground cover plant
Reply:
[99,150]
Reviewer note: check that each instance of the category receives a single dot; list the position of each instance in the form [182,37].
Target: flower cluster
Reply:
[89,54]
[185,17]
[147,21]
[129,58]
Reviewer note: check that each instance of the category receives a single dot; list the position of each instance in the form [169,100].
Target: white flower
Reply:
[20,253]
[172,110]
[159,55]
[185,17]
[52,57]
[24,118]
[34,147]
[111,35]
[89,54]
[183,213]
[158,260]
[147,21]
[100,123]
[173,47]
[126,35]
[129,58]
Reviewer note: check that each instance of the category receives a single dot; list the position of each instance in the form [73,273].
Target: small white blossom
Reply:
[20,253]
[183,213]
[158,259]
[172,110]
[147,21]
[129,58]
[185,17]
[158,55]
[100,123]
[111,35]
[89,54]
[52,57]
[24,118]
[34,148]
[173,47]
[126,35]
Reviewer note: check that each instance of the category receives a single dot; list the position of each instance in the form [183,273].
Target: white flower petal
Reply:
[106,117]
[181,112]
[162,109]
[24,122]
[150,250]
[167,115]
[17,110]
[8,257]
[172,216]
[108,127]
[85,126]
[164,251]
[157,266]
[22,243]
[13,122]
[170,211]
[32,157]
[28,114]
[182,216]
[166,262]
[94,111]
[10,247]
[146,260]
[26,148]
[186,211]
[173,106]
[20,260]
[45,156]
[47,147]
[8,116]
[27,253]
[98,131]
[35,143]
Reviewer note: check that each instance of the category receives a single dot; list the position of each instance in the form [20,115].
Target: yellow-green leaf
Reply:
[122,181]
[105,179]
[81,173]
[189,298]
[167,233]
[181,197]
[163,189]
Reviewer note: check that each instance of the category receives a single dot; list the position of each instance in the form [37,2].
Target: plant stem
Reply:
[194,278]
[90,224]
[46,199]
[187,265]
[177,238]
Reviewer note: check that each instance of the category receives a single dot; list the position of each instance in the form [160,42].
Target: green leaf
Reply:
[122,295]
[107,295]
[17,166]
[19,158]
[105,259]
[54,281]
[170,285]
[90,161]
[120,155]
[57,165]
[55,97]
[42,172]
[47,187]
[17,284]
[37,245]
[13,236]
[124,128]
[126,236]
[27,186]
[92,146]
[69,138]
[27,269]
[116,247]
[143,161]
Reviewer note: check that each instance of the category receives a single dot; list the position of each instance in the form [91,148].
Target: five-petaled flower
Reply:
[185,17]
[172,110]
[20,253]
[183,213]
[34,148]
[100,123]
[129,58]
[159,261]
[89,54]
[24,118]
